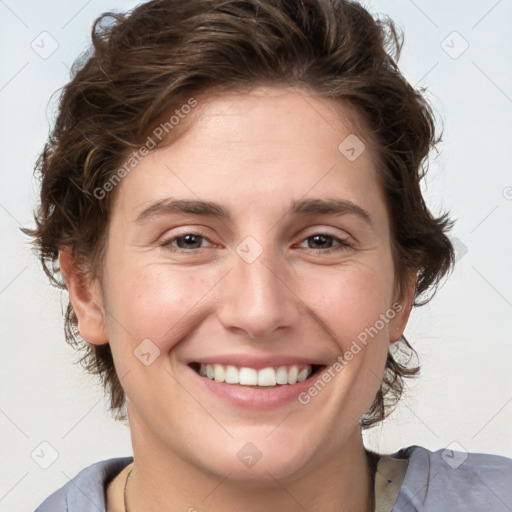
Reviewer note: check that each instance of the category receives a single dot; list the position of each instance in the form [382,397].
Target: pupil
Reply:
[186,241]
[321,239]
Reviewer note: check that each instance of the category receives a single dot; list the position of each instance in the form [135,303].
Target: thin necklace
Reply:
[372,458]
[126,487]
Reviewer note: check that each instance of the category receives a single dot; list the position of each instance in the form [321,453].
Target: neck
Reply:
[163,481]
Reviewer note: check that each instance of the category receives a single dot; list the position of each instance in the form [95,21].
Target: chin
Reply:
[259,457]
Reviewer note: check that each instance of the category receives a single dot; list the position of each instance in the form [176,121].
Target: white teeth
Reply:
[267,377]
[245,376]
[303,375]
[218,373]
[248,377]
[282,375]
[232,375]
[293,373]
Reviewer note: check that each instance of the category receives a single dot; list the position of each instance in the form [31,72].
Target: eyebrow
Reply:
[306,207]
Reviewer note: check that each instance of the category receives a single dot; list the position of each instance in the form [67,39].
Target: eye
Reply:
[186,242]
[325,241]
[318,242]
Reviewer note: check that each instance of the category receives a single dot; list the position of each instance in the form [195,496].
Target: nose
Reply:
[257,299]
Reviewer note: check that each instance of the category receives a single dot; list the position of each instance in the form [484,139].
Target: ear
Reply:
[402,307]
[85,298]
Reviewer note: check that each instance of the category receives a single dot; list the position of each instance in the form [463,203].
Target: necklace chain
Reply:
[125,488]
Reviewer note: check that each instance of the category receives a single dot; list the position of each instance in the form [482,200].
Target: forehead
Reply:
[275,117]
[257,148]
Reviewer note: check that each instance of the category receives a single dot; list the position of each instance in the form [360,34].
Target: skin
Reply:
[254,153]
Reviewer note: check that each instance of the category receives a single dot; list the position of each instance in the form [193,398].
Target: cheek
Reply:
[350,301]
[153,302]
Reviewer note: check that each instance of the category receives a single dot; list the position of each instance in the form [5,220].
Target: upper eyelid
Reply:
[326,231]
[314,230]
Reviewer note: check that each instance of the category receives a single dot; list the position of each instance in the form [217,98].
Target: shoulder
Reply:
[86,491]
[454,480]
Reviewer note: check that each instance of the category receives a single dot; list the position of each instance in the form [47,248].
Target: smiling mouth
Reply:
[272,376]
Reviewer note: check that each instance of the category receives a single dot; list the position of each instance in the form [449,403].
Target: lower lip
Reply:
[252,397]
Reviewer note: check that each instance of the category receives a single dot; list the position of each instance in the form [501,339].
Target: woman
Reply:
[232,192]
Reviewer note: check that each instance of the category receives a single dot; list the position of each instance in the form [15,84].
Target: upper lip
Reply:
[244,360]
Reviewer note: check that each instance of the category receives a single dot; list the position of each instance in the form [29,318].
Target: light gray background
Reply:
[464,395]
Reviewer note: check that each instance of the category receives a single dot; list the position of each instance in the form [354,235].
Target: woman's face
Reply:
[258,239]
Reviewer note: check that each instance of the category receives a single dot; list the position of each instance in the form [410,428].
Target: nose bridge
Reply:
[257,300]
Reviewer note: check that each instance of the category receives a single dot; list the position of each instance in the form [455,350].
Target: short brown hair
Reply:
[147,61]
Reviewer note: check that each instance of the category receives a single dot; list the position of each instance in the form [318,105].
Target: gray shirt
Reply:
[413,479]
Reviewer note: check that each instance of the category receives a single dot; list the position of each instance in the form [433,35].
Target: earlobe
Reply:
[85,298]
[405,300]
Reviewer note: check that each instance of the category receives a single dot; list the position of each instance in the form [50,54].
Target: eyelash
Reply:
[343,244]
